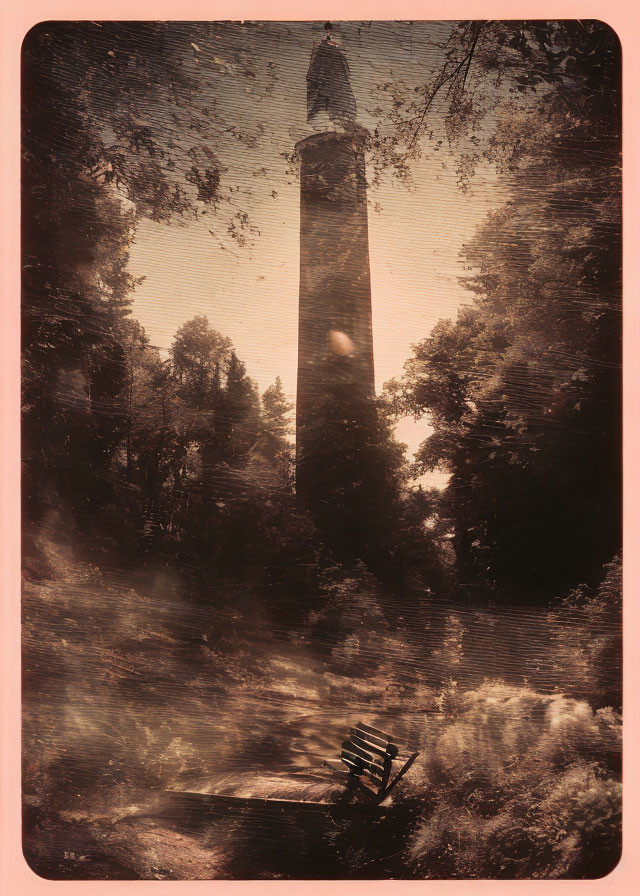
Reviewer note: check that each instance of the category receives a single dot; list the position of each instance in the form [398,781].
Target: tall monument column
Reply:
[335,344]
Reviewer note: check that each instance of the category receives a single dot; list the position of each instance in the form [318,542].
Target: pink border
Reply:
[16,19]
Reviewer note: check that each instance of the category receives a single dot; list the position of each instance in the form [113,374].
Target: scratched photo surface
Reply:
[321,450]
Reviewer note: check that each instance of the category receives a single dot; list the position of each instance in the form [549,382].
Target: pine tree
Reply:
[276,423]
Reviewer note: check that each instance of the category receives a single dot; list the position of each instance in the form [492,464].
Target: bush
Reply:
[519,785]
[589,652]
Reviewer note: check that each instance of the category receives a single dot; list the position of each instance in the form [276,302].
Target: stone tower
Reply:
[335,345]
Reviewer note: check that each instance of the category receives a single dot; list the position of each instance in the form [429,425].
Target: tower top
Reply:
[328,82]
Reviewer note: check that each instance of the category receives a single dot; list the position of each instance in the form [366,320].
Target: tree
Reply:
[275,420]
[219,410]
[493,73]
[115,128]
[73,302]
[157,439]
[239,412]
[524,389]
[201,357]
[219,398]
[350,475]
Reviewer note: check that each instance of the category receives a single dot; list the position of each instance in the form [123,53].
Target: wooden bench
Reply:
[369,755]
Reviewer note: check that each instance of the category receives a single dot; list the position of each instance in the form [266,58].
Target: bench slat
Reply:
[377,774]
[354,748]
[367,745]
[353,758]
[390,748]
[378,741]
[334,764]
[359,751]
[358,769]
[376,732]
[360,766]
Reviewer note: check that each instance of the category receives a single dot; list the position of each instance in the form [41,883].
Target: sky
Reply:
[257,79]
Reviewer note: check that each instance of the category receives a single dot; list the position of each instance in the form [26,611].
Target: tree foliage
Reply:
[276,419]
[491,74]
[95,159]
[524,390]
[116,127]
[352,478]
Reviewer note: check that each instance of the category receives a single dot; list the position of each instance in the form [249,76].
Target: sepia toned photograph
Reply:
[321,450]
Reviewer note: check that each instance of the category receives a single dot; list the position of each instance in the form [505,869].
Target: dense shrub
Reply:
[517,785]
[590,655]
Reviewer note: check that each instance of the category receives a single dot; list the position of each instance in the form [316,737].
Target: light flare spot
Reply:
[340,344]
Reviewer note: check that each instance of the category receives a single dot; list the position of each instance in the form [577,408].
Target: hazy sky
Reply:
[257,80]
